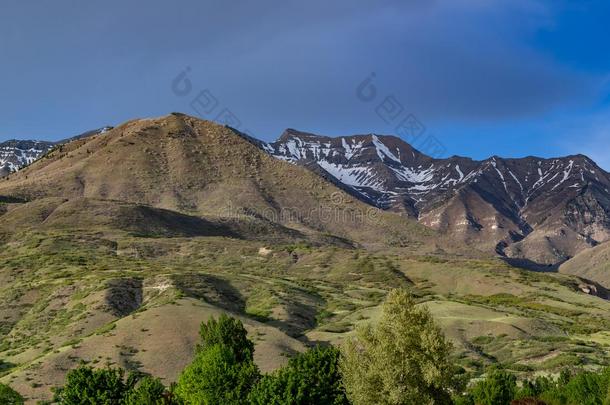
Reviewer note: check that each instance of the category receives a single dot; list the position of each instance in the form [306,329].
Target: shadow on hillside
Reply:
[123,296]
[11,200]
[150,222]
[211,289]
[531,265]
[299,318]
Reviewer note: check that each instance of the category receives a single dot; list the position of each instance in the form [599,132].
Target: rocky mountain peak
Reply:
[498,201]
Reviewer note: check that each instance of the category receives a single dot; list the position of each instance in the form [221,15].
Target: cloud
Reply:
[444,60]
[281,64]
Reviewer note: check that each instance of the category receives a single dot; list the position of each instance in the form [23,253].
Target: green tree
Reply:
[402,360]
[499,388]
[309,378]
[86,385]
[586,389]
[216,377]
[529,389]
[150,391]
[9,396]
[229,332]
[463,399]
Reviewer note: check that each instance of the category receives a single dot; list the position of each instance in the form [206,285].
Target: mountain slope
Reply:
[593,264]
[136,302]
[200,168]
[536,212]
[113,249]
[541,210]
[15,154]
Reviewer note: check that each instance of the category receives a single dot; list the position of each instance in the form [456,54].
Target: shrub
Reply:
[463,399]
[9,396]
[499,388]
[528,401]
[584,389]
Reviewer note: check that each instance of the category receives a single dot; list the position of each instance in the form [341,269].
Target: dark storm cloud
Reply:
[278,64]
[443,60]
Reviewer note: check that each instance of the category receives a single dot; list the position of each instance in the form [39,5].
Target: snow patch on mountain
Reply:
[382,150]
[358,176]
[17,154]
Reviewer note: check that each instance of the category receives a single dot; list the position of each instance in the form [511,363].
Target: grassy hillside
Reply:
[119,298]
[114,248]
[593,264]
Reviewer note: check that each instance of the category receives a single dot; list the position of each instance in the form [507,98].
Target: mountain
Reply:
[16,154]
[115,247]
[535,212]
[532,210]
[202,169]
[593,264]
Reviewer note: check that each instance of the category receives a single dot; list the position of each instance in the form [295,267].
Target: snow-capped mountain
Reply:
[543,210]
[16,154]
[538,211]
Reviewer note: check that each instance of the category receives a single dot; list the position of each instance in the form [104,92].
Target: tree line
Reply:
[403,359]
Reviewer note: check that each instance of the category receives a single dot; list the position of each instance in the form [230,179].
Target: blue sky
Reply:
[484,77]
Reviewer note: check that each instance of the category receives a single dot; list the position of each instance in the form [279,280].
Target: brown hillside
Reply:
[200,168]
[593,264]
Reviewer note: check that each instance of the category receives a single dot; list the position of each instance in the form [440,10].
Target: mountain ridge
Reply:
[200,168]
[110,238]
[16,154]
[539,211]
[498,202]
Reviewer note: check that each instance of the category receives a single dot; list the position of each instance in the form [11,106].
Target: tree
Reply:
[463,399]
[216,377]
[227,331]
[149,391]
[309,378]
[586,388]
[528,401]
[529,389]
[86,385]
[499,388]
[402,360]
[9,396]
